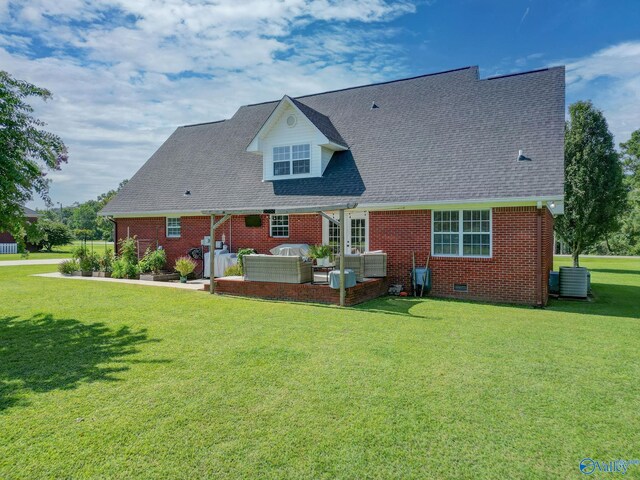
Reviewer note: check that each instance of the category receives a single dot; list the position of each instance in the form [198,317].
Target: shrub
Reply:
[106,261]
[241,253]
[233,271]
[123,269]
[129,250]
[68,267]
[90,262]
[184,266]
[153,261]
[79,252]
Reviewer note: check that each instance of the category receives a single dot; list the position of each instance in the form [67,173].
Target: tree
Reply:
[594,190]
[630,230]
[27,152]
[54,234]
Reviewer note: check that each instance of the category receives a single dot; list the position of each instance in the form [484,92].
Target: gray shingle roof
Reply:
[438,138]
[30,213]
[322,123]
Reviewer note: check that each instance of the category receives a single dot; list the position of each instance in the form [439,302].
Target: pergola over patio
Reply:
[228,213]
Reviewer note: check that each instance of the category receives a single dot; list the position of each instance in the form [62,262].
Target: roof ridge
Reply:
[370,84]
[203,123]
[537,70]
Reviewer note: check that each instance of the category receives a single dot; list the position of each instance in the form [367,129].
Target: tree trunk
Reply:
[575,255]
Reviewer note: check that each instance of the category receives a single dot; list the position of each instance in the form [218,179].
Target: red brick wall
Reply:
[511,275]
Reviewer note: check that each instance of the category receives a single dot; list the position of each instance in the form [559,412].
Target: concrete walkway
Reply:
[193,285]
[18,263]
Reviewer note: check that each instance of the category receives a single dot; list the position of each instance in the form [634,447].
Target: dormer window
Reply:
[296,142]
[292,159]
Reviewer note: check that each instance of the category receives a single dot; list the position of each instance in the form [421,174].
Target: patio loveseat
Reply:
[276,268]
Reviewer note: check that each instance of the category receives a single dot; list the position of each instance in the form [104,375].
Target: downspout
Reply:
[115,234]
[539,278]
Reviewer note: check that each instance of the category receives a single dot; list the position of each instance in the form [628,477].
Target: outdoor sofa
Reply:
[276,268]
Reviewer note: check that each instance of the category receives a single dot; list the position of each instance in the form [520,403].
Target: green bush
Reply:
[106,261]
[153,261]
[68,267]
[90,262]
[123,269]
[184,266]
[233,271]
[79,252]
[129,250]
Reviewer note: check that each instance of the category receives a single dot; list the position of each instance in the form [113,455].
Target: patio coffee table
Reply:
[322,268]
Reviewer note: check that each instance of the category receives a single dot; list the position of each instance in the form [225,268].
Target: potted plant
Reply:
[105,264]
[322,254]
[152,266]
[184,266]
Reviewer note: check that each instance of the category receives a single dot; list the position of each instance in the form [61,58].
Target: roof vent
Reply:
[522,158]
[373,105]
[187,193]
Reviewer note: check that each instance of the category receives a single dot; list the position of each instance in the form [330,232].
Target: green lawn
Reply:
[100,380]
[58,252]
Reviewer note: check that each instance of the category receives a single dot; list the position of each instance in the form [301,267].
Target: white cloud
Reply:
[117,68]
[611,79]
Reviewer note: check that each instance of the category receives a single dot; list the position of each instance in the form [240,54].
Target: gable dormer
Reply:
[296,141]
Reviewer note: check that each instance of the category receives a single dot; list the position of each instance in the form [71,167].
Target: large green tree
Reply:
[594,191]
[629,235]
[26,152]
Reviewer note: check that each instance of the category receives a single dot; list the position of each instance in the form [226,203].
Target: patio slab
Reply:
[191,285]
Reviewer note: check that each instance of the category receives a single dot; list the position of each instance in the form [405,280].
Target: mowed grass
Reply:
[63,251]
[100,380]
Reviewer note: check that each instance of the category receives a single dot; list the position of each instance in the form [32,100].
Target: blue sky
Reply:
[124,74]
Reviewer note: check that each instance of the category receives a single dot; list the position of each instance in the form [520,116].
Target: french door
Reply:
[356,234]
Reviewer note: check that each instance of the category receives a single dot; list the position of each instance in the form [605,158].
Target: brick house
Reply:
[466,170]
[7,242]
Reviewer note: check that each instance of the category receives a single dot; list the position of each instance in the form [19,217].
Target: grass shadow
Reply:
[616,271]
[44,353]
[610,300]
[391,305]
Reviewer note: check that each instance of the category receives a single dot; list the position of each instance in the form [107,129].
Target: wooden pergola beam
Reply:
[212,249]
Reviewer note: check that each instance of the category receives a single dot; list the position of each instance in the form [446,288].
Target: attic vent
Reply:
[373,105]
[291,120]
[522,158]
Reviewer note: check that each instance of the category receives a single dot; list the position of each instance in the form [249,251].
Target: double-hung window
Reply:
[174,228]
[292,160]
[461,233]
[279,225]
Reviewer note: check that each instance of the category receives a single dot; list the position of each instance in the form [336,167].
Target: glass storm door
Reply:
[356,236]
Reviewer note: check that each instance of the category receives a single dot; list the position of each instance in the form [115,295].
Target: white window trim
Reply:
[271,226]
[291,174]
[166,224]
[460,233]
